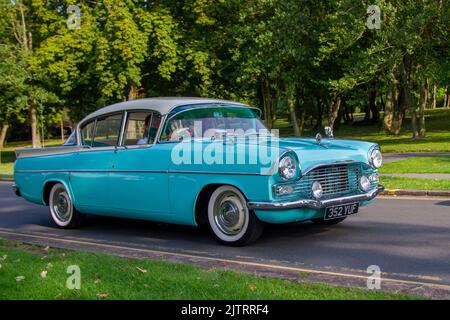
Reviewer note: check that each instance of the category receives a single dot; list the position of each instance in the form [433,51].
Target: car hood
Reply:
[310,152]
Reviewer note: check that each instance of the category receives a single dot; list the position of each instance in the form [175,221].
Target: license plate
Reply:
[341,211]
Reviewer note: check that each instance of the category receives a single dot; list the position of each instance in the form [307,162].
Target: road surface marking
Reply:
[238,262]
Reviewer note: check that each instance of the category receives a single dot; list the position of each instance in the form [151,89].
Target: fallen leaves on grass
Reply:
[43,274]
[20,278]
[252,287]
[102,295]
[141,270]
[2,258]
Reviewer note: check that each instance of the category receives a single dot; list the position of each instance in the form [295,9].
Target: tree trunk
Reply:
[398,114]
[34,130]
[388,111]
[3,132]
[433,104]
[393,115]
[446,98]
[319,114]
[62,129]
[334,110]
[266,101]
[293,113]
[302,121]
[367,112]
[133,92]
[423,103]
[415,131]
[373,106]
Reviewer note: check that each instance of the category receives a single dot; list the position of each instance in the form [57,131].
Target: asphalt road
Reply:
[407,238]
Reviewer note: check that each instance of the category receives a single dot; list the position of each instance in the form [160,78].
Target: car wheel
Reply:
[229,219]
[328,222]
[62,210]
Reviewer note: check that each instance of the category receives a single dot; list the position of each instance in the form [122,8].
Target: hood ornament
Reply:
[328,133]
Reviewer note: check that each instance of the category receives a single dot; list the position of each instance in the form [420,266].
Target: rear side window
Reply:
[103,132]
[107,130]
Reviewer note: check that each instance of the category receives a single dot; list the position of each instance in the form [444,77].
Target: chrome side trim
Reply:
[315,204]
[48,151]
[144,171]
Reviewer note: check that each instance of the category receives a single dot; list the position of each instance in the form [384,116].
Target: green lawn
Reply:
[437,125]
[414,183]
[418,165]
[22,270]
[8,156]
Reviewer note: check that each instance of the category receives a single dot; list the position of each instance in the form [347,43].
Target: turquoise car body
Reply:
[144,182]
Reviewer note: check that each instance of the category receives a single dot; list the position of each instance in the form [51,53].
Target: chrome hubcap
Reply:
[229,214]
[61,205]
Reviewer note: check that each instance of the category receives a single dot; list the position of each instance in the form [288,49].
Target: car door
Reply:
[90,177]
[139,180]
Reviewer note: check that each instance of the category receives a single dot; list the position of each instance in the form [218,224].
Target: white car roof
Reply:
[161,105]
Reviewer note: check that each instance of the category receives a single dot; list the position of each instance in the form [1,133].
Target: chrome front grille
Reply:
[336,180]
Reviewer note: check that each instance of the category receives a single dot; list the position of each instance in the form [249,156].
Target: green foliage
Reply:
[263,52]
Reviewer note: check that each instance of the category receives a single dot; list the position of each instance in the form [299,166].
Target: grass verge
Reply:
[31,272]
[418,165]
[414,183]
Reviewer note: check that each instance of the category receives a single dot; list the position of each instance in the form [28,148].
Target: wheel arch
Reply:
[48,185]
[201,202]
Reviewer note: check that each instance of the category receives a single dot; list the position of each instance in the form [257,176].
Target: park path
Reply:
[418,175]
[389,157]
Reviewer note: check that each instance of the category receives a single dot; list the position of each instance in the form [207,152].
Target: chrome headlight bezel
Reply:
[375,157]
[287,168]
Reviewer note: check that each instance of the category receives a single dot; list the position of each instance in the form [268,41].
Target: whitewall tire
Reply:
[62,211]
[229,219]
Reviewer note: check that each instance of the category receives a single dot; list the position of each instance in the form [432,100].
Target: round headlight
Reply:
[287,168]
[317,190]
[375,158]
[364,183]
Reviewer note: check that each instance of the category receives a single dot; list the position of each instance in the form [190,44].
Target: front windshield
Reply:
[212,122]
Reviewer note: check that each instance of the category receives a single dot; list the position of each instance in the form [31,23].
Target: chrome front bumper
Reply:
[315,204]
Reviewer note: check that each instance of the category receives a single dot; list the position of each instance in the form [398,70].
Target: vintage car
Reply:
[195,161]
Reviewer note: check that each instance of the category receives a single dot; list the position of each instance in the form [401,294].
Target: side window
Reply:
[141,128]
[107,131]
[87,132]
